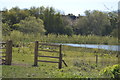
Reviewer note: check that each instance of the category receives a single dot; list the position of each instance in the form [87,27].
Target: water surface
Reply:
[106,47]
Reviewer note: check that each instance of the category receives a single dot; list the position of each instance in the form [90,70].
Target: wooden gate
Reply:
[6,52]
[37,49]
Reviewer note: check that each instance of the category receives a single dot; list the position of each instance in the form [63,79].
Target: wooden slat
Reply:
[2,60]
[2,42]
[2,56]
[48,56]
[47,61]
[2,48]
[49,44]
[49,51]
[1,52]
[1,63]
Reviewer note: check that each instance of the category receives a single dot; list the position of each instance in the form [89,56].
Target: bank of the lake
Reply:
[52,38]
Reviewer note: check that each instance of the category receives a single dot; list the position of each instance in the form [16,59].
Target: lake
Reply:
[106,47]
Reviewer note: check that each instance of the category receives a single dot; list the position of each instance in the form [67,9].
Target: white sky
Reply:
[67,6]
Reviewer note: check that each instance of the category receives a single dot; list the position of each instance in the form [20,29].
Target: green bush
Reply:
[111,71]
[30,25]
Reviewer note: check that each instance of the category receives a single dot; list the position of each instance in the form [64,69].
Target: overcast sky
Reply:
[67,6]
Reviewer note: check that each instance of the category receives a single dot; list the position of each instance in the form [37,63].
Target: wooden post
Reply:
[8,52]
[96,59]
[36,53]
[60,57]
[65,63]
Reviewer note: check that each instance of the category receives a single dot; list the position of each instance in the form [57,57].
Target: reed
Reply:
[17,37]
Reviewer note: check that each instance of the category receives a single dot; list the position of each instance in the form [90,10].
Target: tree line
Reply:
[47,20]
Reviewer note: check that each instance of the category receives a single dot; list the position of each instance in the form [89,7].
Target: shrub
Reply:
[111,71]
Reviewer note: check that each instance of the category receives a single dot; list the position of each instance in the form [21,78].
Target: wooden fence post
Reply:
[8,52]
[60,57]
[96,59]
[36,53]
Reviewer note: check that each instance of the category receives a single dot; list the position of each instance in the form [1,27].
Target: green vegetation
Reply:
[45,24]
[81,64]
[30,25]
[48,20]
[52,38]
[48,25]
[111,71]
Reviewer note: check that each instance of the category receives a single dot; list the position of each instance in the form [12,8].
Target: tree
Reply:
[30,25]
[53,21]
[115,32]
[68,30]
[95,22]
[68,24]
[113,16]
[14,15]
[5,29]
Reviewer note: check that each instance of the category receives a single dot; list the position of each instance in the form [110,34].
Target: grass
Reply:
[52,38]
[81,64]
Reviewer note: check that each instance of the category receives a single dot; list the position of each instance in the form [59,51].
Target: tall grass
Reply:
[17,36]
